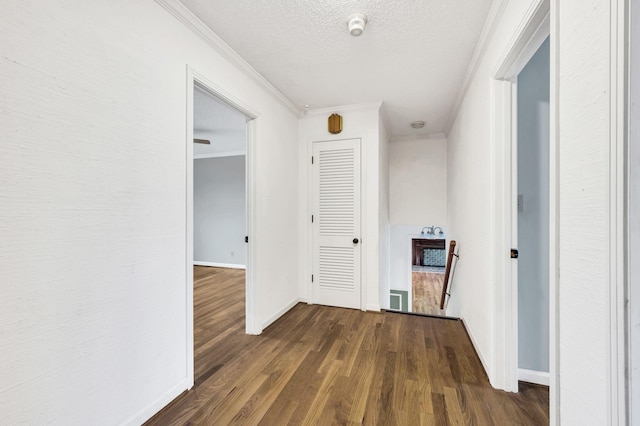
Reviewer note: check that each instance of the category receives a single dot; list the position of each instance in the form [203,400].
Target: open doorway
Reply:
[533,138]
[532,33]
[214,157]
[428,262]
[219,231]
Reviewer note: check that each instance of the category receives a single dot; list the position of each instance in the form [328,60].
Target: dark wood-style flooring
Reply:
[329,366]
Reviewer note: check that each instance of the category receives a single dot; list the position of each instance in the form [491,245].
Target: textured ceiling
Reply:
[216,121]
[412,56]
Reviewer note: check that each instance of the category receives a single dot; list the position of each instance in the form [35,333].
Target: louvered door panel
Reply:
[335,268]
[337,207]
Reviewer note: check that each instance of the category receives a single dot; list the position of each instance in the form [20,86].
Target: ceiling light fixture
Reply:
[356,24]
[417,124]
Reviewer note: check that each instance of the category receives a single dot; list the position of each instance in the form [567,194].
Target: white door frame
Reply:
[252,289]
[633,212]
[531,33]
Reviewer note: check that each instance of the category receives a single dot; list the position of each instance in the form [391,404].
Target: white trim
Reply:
[632,212]
[219,265]
[511,362]
[219,154]
[475,346]
[495,14]
[554,220]
[199,28]
[157,405]
[617,282]
[373,307]
[341,108]
[223,95]
[503,373]
[530,34]
[410,292]
[280,313]
[189,343]
[532,376]
[252,313]
[253,288]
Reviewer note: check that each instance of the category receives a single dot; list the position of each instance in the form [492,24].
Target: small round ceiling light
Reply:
[356,24]
[417,124]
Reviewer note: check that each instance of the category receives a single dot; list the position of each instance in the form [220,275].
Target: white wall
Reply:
[219,210]
[383,215]
[92,207]
[469,209]
[590,172]
[418,181]
[418,198]
[359,121]
[533,216]
[634,213]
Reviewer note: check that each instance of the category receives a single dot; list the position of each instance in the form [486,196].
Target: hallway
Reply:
[322,365]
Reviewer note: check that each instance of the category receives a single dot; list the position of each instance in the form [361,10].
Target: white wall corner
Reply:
[147,412]
[384,118]
[280,313]
[476,348]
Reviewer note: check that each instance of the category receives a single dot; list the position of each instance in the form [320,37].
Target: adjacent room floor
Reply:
[326,366]
[426,290]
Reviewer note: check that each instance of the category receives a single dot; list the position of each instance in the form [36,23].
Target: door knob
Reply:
[356,241]
[514,254]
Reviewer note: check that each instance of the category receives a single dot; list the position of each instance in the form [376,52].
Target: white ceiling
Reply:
[412,56]
[221,124]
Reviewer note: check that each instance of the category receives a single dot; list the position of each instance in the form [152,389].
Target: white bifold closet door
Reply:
[336,223]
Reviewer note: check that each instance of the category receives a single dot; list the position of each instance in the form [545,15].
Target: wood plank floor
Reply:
[426,290]
[329,366]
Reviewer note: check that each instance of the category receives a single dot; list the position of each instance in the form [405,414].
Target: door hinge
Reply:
[311,218]
[311,277]
[312,159]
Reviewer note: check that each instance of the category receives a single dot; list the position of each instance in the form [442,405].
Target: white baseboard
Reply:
[219,265]
[153,408]
[373,307]
[280,313]
[475,348]
[532,376]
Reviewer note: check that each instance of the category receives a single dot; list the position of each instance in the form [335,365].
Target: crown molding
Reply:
[199,28]
[495,13]
[341,108]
